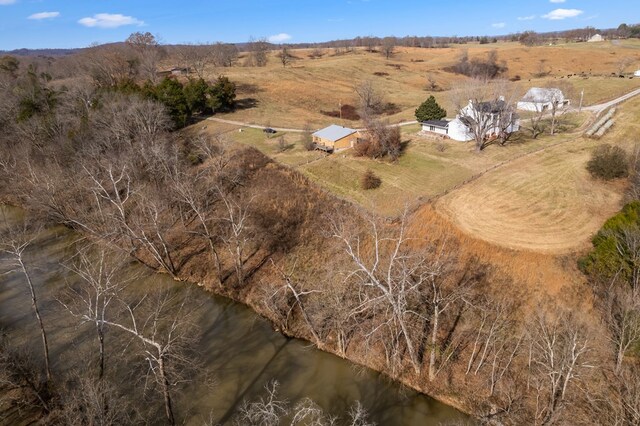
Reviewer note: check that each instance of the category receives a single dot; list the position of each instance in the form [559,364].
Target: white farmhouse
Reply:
[458,128]
[636,74]
[538,100]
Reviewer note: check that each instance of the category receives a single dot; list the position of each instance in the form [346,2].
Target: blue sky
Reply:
[78,23]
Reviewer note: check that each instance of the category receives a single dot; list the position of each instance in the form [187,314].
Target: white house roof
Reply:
[334,133]
[539,95]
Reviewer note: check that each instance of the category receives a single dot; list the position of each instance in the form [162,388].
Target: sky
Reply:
[80,23]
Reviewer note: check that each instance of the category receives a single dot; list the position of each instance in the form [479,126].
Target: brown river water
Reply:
[240,348]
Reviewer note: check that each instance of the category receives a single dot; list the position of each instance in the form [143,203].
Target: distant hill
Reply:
[39,52]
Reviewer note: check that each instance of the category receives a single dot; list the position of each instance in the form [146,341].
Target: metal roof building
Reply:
[334,133]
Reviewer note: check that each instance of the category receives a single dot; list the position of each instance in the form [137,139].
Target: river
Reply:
[240,348]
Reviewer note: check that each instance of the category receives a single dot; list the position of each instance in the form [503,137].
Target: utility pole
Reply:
[581,98]
[340,109]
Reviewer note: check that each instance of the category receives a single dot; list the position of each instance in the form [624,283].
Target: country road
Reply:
[284,129]
[597,109]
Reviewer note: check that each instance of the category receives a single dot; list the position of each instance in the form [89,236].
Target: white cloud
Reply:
[6,2]
[526,18]
[499,25]
[557,1]
[44,15]
[558,14]
[109,20]
[279,38]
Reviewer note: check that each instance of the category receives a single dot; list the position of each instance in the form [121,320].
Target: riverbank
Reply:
[239,348]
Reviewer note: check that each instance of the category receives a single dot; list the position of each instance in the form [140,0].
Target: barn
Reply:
[541,99]
[335,138]
[595,39]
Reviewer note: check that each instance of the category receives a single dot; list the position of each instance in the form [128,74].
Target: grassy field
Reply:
[546,202]
[290,97]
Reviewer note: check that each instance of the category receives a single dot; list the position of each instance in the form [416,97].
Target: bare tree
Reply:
[161,324]
[21,379]
[497,341]
[369,43]
[371,100]
[236,234]
[258,50]
[225,54]
[149,53]
[267,411]
[284,56]
[197,57]
[560,91]
[292,296]
[559,360]
[388,47]
[271,410]
[100,273]
[620,306]
[392,279]
[14,242]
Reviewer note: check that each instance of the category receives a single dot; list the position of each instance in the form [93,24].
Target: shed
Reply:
[335,137]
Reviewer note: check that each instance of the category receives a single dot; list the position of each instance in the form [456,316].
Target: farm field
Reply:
[291,96]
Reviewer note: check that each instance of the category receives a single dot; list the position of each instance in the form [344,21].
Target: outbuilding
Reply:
[440,127]
[636,74]
[541,99]
[595,39]
[334,138]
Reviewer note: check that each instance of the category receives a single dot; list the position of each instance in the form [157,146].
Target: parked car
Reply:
[269,130]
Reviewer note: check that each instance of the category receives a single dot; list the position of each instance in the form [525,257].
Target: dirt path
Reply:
[287,130]
[597,109]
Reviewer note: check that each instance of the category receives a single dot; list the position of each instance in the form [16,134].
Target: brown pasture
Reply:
[290,96]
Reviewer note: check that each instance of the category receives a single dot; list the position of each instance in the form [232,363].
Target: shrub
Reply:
[370,180]
[379,141]
[346,112]
[282,144]
[614,246]
[608,162]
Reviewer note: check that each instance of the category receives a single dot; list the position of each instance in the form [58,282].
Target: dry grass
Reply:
[546,202]
[291,96]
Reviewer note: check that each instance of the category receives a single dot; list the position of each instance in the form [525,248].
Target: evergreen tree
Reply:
[170,93]
[195,92]
[222,95]
[430,110]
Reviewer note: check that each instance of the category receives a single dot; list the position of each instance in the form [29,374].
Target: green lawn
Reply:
[427,168]
[294,155]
